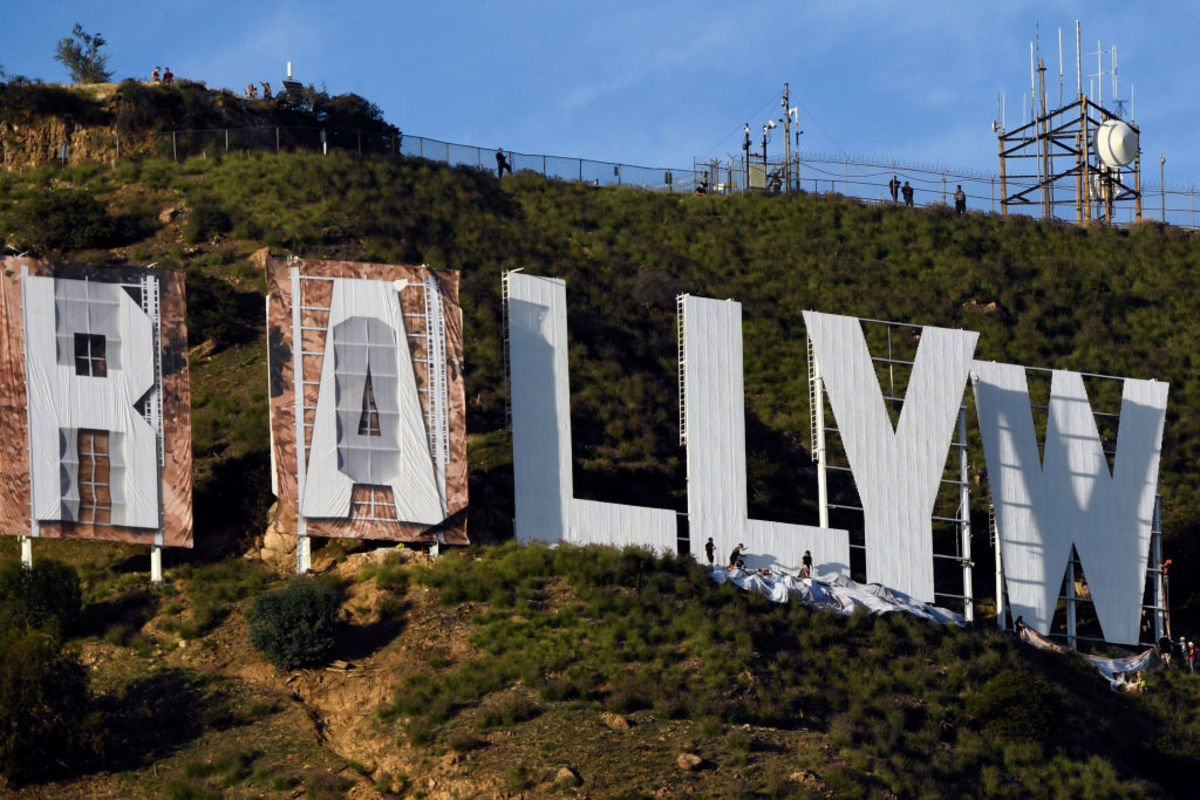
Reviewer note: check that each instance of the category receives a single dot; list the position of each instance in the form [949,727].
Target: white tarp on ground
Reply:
[1113,669]
[832,593]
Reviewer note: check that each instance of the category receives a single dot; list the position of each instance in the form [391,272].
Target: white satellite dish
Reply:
[1116,143]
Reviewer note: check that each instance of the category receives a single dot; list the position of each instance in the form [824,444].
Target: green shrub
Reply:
[46,597]
[43,705]
[205,220]
[1015,705]
[62,219]
[296,626]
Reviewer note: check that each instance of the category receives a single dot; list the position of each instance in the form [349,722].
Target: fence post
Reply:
[943,187]
[543,165]
[276,138]
[227,141]
[174,147]
[846,175]
[1193,196]
[581,170]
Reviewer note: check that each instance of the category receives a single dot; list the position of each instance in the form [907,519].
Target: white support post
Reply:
[303,546]
[1000,611]
[27,552]
[818,412]
[964,501]
[156,572]
[303,551]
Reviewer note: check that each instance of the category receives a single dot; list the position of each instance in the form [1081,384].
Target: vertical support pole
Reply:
[34,525]
[303,551]
[174,147]
[998,552]
[1083,147]
[1080,170]
[846,174]
[1003,181]
[543,165]
[1160,581]
[156,572]
[1162,186]
[993,195]
[276,138]
[943,187]
[787,143]
[818,411]
[227,141]
[1071,600]
[964,511]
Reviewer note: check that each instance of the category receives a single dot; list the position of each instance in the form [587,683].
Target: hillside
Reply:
[525,672]
[1098,300]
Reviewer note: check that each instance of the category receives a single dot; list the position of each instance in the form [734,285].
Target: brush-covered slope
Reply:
[1118,302]
[516,654]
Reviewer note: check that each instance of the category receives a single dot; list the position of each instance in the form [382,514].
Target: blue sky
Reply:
[656,83]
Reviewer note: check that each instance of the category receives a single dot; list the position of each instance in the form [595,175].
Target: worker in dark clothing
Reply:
[806,565]
[907,191]
[710,550]
[502,163]
[894,188]
[735,558]
[960,200]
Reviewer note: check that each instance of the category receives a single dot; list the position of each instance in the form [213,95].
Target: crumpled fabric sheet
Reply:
[835,593]
[1149,660]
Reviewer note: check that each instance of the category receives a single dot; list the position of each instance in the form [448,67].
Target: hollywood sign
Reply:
[369,437]
[1045,503]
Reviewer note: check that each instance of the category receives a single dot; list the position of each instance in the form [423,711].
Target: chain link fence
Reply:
[862,177]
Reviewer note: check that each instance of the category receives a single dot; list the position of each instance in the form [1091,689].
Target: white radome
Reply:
[1116,143]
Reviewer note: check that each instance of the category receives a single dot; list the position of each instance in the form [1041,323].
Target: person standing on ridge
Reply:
[894,188]
[960,200]
[154,76]
[502,163]
[907,191]
[710,550]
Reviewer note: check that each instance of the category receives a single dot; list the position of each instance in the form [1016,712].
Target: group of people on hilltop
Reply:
[736,561]
[165,76]
[906,191]
[252,90]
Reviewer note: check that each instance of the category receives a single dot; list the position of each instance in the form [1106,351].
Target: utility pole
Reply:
[1162,187]
[787,141]
[746,158]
